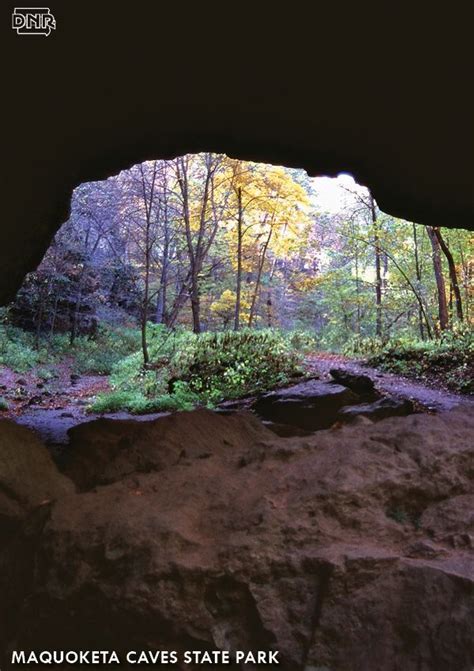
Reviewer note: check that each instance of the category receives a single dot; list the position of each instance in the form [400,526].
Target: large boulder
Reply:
[28,476]
[311,405]
[384,612]
[360,384]
[340,549]
[380,409]
[107,450]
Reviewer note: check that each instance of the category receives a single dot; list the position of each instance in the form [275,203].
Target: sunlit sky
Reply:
[331,195]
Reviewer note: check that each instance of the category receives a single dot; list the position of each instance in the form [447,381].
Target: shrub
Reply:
[449,359]
[187,369]
[118,400]
[230,364]
[96,355]
[99,355]
[17,350]
[135,402]
[303,342]
[182,398]
[362,345]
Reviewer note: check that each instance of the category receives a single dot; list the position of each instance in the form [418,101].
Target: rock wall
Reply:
[349,549]
[28,477]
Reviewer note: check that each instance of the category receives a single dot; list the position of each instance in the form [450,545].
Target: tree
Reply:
[440,284]
[195,177]
[452,272]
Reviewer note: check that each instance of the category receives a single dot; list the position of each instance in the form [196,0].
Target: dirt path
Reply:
[52,407]
[52,425]
[432,399]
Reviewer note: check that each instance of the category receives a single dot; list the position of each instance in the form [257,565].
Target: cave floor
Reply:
[52,413]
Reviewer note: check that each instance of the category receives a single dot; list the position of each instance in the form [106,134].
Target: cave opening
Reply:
[326,519]
[207,281]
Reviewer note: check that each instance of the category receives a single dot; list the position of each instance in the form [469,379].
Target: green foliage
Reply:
[135,402]
[17,349]
[362,346]
[188,369]
[118,400]
[302,341]
[229,364]
[88,355]
[182,398]
[449,359]
[3,404]
[169,351]
[100,354]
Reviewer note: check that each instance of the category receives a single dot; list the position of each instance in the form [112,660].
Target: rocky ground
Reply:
[52,407]
[349,547]
[427,395]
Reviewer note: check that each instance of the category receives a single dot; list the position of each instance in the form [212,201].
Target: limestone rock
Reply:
[381,409]
[28,476]
[360,384]
[309,405]
[107,450]
[259,543]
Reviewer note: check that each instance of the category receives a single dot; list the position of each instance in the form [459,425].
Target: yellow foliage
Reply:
[224,306]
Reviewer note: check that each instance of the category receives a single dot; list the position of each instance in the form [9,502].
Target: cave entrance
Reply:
[205,280]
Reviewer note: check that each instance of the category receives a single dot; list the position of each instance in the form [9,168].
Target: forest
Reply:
[190,281]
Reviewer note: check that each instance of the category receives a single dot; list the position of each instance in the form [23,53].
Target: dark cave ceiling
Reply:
[328,93]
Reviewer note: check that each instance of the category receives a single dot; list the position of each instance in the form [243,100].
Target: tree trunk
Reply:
[407,280]
[161,300]
[440,285]
[452,273]
[148,203]
[357,284]
[146,356]
[195,304]
[269,309]
[466,280]
[75,317]
[39,321]
[259,278]
[378,269]
[144,315]
[418,278]
[197,246]
[238,288]
[53,316]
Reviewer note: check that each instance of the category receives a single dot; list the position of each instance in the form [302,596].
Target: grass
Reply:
[447,361]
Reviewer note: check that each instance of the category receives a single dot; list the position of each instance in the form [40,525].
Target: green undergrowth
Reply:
[187,370]
[21,352]
[447,361]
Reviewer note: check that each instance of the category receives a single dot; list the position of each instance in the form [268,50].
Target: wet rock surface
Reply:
[317,404]
[310,405]
[357,382]
[380,409]
[347,549]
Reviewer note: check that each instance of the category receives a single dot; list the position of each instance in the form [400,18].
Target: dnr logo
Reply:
[33,21]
